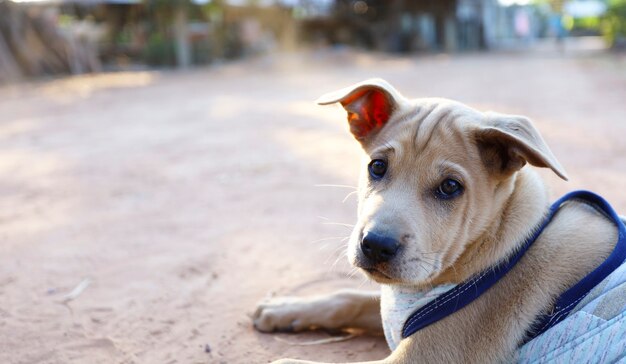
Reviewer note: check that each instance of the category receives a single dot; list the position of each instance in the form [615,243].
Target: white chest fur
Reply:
[399,302]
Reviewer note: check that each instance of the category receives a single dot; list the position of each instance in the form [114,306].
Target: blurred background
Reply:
[47,37]
[163,165]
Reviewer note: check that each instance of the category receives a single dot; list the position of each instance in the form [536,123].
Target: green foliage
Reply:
[166,4]
[122,37]
[65,19]
[614,22]
[160,51]
[591,23]
[582,26]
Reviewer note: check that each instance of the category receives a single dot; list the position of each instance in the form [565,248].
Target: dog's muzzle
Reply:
[378,248]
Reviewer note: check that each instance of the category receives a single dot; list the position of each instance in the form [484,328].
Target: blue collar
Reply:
[466,292]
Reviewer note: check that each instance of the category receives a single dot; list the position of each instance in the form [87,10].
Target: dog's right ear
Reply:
[369,104]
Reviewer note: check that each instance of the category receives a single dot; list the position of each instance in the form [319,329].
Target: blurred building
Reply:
[407,26]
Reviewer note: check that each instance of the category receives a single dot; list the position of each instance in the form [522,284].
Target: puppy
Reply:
[445,193]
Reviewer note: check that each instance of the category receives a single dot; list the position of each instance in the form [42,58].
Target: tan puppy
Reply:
[444,194]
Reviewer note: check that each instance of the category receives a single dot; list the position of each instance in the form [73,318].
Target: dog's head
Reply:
[436,175]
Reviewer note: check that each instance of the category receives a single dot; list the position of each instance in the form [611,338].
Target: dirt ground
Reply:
[144,214]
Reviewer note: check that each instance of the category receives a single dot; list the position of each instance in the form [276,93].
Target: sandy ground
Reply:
[179,200]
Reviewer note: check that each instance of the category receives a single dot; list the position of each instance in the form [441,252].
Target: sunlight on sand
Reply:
[325,151]
[24,166]
[67,89]
[224,107]
[333,114]
[29,183]
[14,128]
[319,147]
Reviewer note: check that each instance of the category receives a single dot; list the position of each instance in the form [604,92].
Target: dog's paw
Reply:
[282,314]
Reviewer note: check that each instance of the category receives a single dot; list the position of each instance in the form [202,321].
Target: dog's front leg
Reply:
[339,310]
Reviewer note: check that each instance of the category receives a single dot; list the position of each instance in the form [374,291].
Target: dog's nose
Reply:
[378,248]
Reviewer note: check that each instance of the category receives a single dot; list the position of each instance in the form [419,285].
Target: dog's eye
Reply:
[449,188]
[377,168]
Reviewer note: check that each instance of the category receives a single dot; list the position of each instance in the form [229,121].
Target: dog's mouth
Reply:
[378,275]
[374,272]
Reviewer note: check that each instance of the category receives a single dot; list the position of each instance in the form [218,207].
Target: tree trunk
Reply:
[32,45]
[9,68]
[183,48]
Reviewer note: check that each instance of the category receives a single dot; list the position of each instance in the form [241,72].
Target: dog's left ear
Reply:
[507,142]
[369,104]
